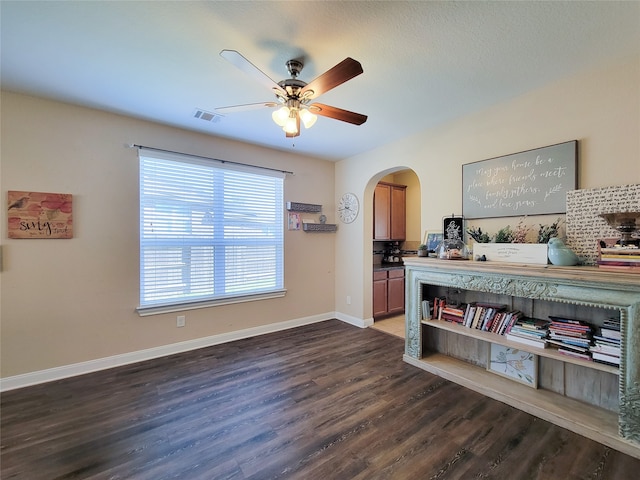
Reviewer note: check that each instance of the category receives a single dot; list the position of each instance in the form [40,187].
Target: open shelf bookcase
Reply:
[595,400]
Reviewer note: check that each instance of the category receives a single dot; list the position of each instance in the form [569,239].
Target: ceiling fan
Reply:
[295,97]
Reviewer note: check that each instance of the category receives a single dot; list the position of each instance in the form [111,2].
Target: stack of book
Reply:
[451,313]
[529,331]
[572,337]
[620,258]
[442,310]
[606,345]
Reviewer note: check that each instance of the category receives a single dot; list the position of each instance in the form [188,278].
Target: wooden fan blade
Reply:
[338,113]
[245,107]
[250,69]
[345,70]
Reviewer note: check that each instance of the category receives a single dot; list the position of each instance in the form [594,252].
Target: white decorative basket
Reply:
[531,253]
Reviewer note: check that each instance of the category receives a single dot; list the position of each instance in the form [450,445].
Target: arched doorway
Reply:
[389,248]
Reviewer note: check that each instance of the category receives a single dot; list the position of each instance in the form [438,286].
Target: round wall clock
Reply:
[348,208]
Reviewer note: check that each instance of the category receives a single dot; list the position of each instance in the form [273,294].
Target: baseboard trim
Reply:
[66,371]
[355,321]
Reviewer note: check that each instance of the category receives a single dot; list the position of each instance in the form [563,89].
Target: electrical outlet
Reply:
[181,320]
[348,299]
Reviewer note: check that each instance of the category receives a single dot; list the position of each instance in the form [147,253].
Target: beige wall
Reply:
[601,109]
[70,301]
[67,301]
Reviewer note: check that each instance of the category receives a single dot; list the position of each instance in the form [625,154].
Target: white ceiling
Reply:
[425,62]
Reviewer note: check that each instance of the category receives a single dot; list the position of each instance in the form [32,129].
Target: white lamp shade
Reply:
[280,116]
[308,118]
[291,125]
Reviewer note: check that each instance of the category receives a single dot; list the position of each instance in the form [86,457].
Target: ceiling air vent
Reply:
[207,116]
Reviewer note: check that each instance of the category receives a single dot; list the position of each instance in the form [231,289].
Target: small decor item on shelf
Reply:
[453,227]
[422,250]
[452,249]
[453,246]
[513,363]
[432,241]
[613,256]
[561,255]
[294,221]
[627,223]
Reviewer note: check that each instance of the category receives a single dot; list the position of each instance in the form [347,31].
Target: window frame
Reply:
[221,242]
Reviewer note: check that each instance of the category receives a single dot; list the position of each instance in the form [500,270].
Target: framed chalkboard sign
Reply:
[534,182]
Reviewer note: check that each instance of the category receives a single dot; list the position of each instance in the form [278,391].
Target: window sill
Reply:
[180,307]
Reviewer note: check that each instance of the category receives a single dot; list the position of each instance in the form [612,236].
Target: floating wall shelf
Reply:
[303,207]
[319,227]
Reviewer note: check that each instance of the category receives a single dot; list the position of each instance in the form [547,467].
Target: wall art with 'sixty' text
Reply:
[40,215]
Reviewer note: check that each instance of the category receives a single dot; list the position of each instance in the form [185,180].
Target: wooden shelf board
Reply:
[304,207]
[501,340]
[592,422]
[319,227]
[578,273]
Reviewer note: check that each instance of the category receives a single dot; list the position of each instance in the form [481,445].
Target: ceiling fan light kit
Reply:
[295,96]
[289,117]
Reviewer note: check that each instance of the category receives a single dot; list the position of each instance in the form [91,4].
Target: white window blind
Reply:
[210,232]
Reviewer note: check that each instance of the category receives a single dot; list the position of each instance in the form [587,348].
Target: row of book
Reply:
[487,317]
[619,258]
[571,337]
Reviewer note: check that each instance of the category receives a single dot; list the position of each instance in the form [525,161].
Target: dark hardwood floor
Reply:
[326,401]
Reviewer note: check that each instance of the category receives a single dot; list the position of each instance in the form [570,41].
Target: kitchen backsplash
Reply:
[393,252]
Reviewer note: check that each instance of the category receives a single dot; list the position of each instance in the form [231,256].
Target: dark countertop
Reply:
[378,267]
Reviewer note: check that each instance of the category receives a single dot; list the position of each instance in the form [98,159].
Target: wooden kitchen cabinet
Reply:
[389,212]
[395,292]
[379,293]
[388,292]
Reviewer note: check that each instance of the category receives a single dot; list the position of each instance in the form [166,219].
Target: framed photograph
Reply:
[432,240]
[294,221]
[514,364]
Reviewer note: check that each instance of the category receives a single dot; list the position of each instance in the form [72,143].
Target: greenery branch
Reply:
[478,235]
[517,235]
[547,232]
